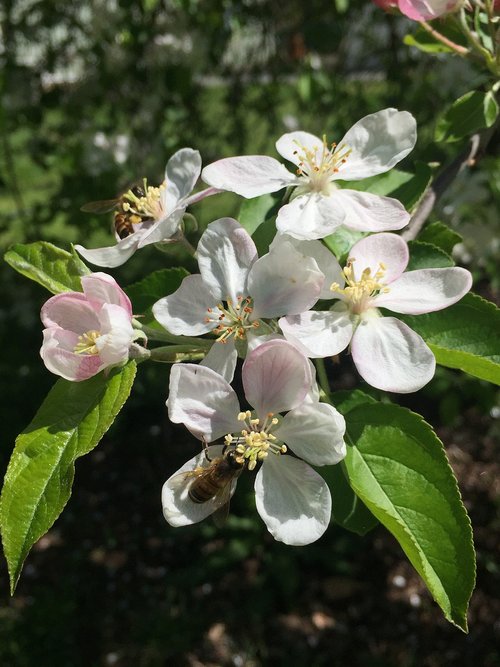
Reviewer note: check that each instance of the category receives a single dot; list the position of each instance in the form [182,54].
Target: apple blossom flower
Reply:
[235,291]
[292,499]
[87,332]
[159,211]
[387,353]
[319,204]
[426,10]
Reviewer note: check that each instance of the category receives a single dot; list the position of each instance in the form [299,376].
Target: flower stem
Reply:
[173,353]
[322,376]
[153,333]
[461,50]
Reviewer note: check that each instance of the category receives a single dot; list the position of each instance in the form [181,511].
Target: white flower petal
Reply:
[309,216]
[292,145]
[388,249]
[114,255]
[325,259]
[178,508]
[293,500]
[377,142]
[164,229]
[225,254]
[203,401]
[318,334]
[184,312]
[248,176]
[284,282]
[101,288]
[117,334]
[276,377]
[391,356]
[222,358]
[425,290]
[366,212]
[183,169]
[315,433]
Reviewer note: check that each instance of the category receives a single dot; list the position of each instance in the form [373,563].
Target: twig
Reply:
[467,158]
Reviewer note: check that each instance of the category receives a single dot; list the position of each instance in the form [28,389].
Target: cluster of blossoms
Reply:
[265,311]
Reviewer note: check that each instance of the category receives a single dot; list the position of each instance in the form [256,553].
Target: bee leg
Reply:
[205,447]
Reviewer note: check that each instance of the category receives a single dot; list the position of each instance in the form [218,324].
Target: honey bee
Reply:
[125,219]
[215,482]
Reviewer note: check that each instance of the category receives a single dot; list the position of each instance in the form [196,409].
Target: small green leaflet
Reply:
[471,112]
[398,467]
[427,256]
[464,336]
[54,268]
[440,235]
[70,422]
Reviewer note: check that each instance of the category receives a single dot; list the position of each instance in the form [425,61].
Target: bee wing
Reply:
[223,500]
[104,206]
[183,478]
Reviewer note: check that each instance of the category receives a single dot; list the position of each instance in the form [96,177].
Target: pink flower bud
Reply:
[87,332]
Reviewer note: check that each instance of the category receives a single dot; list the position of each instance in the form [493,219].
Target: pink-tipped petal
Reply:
[388,249]
[59,358]
[293,500]
[425,290]
[376,143]
[222,358]
[225,254]
[318,334]
[249,176]
[391,356]
[203,401]
[72,311]
[276,377]
[427,10]
[101,288]
[183,169]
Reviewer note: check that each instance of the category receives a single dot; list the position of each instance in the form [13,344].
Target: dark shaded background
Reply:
[95,95]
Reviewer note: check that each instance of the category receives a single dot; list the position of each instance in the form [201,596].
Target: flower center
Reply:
[319,164]
[87,343]
[255,442]
[359,292]
[145,201]
[232,319]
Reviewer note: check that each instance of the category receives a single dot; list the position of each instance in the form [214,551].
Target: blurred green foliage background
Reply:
[94,96]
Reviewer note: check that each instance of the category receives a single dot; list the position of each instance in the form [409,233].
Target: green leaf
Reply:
[348,510]
[346,400]
[441,236]
[146,292]
[70,423]
[253,212]
[403,186]
[464,336]
[341,241]
[398,467]
[52,267]
[427,256]
[471,112]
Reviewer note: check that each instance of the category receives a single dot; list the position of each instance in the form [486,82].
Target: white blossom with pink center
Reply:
[319,204]
[387,353]
[87,332]
[291,497]
[426,10]
[160,210]
[236,292]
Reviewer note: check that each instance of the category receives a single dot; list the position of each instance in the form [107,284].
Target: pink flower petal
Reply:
[388,249]
[101,288]
[72,311]
[59,358]
[309,216]
[318,334]
[366,212]
[276,377]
